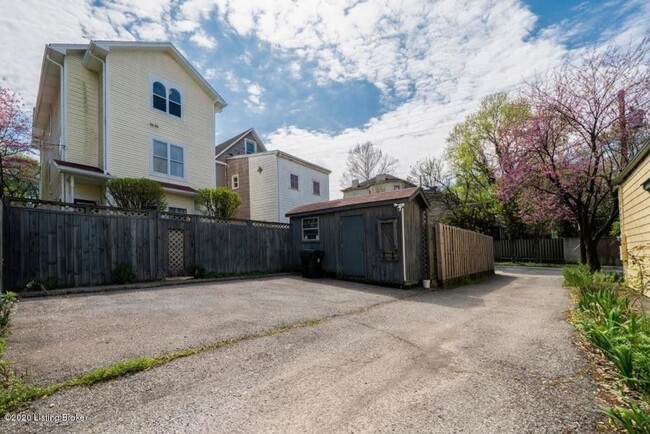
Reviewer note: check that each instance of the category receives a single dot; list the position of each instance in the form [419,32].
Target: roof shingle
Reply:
[400,195]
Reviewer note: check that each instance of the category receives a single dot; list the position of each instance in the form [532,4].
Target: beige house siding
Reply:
[51,149]
[634,203]
[180,201]
[83,90]
[133,123]
[88,192]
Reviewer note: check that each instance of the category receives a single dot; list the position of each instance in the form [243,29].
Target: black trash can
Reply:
[312,263]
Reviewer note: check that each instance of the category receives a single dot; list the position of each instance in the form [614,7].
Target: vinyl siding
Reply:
[239,167]
[263,187]
[635,218]
[133,123]
[83,90]
[51,179]
[290,198]
[87,192]
[180,201]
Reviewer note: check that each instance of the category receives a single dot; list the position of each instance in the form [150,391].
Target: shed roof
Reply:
[402,195]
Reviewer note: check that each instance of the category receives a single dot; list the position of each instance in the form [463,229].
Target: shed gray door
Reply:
[353,246]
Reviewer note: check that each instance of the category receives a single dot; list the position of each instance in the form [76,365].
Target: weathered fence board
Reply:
[460,254]
[82,245]
[537,250]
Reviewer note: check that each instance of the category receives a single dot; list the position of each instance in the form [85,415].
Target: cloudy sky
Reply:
[315,77]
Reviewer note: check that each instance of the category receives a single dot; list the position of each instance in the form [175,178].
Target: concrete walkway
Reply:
[493,357]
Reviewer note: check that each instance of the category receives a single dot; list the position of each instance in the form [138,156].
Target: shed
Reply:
[634,205]
[375,238]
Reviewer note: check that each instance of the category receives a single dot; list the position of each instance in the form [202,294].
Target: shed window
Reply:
[388,239]
[310,230]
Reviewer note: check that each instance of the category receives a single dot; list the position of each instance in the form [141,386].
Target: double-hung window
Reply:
[316,188]
[168,159]
[166,98]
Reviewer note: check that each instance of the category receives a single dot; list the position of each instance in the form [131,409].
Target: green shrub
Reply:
[138,193]
[633,419]
[7,302]
[124,273]
[218,202]
[196,271]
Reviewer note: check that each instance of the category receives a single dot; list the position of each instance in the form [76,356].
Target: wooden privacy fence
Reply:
[458,254]
[536,250]
[81,245]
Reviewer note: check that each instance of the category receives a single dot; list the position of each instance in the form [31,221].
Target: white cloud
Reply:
[254,100]
[202,40]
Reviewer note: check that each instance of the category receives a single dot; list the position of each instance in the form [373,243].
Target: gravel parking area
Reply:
[492,357]
[56,338]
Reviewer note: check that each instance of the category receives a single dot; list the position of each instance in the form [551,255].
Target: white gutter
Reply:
[105,109]
[62,108]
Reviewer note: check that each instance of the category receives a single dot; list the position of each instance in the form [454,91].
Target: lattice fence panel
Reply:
[176,251]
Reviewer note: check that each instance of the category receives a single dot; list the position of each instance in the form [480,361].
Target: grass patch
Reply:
[530,264]
[17,394]
[607,317]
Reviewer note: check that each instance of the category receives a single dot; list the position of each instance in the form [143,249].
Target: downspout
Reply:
[400,209]
[403,244]
[62,107]
[104,110]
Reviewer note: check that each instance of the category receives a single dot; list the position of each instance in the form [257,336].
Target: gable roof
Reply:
[286,156]
[101,48]
[224,146]
[401,195]
[376,180]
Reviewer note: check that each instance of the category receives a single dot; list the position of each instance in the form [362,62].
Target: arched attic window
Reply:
[159,96]
[174,102]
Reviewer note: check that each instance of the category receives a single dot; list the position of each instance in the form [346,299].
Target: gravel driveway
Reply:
[493,357]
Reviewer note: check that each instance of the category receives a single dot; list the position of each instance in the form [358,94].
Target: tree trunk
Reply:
[592,255]
[583,249]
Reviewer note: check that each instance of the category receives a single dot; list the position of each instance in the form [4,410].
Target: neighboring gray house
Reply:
[247,142]
[270,183]
[378,184]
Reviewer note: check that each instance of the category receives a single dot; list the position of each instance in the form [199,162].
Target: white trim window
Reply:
[166,97]
[168,159]
[310,229]
[234,182]
[293,181]
[250,147]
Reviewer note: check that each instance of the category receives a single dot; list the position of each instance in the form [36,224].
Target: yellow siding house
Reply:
[634,203]
[112,109]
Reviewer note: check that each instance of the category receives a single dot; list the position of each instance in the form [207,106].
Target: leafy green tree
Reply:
[137,193]
[474,155]
[218,202]
[19,172]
